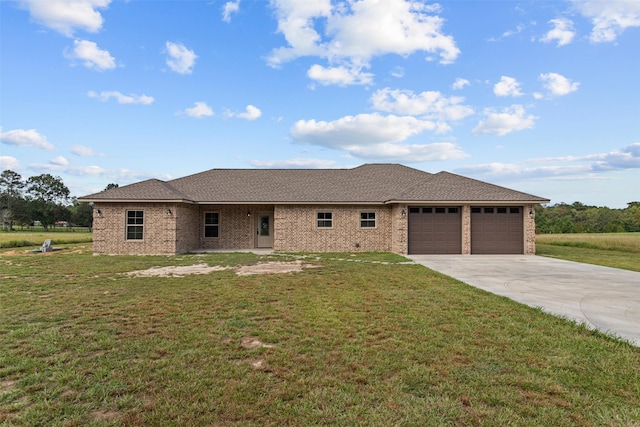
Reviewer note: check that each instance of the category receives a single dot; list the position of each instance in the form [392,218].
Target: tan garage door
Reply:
[497,230]
[435,230]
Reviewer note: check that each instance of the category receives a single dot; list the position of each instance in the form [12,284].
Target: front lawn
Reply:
[374,342]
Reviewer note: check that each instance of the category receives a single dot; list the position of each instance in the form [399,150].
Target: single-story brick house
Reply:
[374,207]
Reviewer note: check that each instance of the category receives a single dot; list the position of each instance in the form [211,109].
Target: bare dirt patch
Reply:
[176,271]
[252,342]
[7,386]
[271,267]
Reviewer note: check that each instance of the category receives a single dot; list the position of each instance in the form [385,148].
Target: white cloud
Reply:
[374,136]
[251,113]
[626,158]
[363,129]
[10,163]
[609,18]
[230,8]
[199,109]
[430,104]
[122,99]
[65,16]
[349,33]
[397,72]
[26,138]
[92,56]
[181,59]
[511,119]
[507,86]
[59,161]
[297,163]
[460,83]
[82,151]
[562,32]
[341,76]
[557,84]
[410,153]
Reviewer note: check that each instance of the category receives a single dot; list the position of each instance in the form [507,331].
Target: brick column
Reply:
[466,230]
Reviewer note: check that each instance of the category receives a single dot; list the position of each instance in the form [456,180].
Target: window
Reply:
[211,224]
[367,219]
[488,210]
[476,210]
[441,210]
[414,210]
[135,225]
[427,210]
[325,220]
[502,210]
[453,210]
[514,210]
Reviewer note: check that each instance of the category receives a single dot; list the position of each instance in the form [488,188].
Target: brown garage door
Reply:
[497,230]
[435,230]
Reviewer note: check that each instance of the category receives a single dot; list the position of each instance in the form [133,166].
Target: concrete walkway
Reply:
[607,299]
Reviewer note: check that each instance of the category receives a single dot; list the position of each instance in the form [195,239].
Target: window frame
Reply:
[215,226]
[131,228]
[369,220]
[324,220]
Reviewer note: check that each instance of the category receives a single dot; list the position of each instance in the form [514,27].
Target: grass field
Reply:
[36,237]
[346,343]
[619,250]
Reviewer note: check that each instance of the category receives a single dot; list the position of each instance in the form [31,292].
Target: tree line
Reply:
[46,199]
[580,218]
[42,199]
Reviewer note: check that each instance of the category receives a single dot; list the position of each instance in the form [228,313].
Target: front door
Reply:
[264,230]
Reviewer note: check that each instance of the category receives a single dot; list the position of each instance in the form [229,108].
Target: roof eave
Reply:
[93,200]
[468,202]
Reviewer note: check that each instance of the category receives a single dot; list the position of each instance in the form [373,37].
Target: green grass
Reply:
[618,250]
[350,343]
[61,236]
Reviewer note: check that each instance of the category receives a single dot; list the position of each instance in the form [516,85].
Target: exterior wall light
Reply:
[169,212]
[531,214]
[403,213]
[248,214]
[98,212]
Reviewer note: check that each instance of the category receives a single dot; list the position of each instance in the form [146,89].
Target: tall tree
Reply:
[11,188]
[47,195]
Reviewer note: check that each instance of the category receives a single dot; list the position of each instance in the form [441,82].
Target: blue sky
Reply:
[539,96]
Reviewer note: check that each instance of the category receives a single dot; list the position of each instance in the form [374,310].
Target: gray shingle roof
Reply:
[371,183]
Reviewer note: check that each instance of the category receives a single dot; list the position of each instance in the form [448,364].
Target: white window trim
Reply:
[127,225]
[204,225]
[318,219]
[375,220]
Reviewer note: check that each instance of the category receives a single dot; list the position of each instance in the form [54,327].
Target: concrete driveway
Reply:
[607,299]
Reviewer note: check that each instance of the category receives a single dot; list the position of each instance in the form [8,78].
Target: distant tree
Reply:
[11,188]
[47,194]
[82,214]
[111,186]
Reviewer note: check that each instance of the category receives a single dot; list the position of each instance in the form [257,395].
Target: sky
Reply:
[538,96]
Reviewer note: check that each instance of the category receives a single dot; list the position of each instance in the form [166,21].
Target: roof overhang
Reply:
[90,200]
[468,202]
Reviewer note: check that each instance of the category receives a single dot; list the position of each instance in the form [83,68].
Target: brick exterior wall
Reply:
[529,230]
[466,229]
[400,230]
[109,229]
[296,229]
[236,229]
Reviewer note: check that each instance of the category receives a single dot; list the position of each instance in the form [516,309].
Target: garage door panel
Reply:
[497,230]
[435,230]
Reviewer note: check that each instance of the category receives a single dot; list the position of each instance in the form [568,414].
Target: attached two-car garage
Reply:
[438,230]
